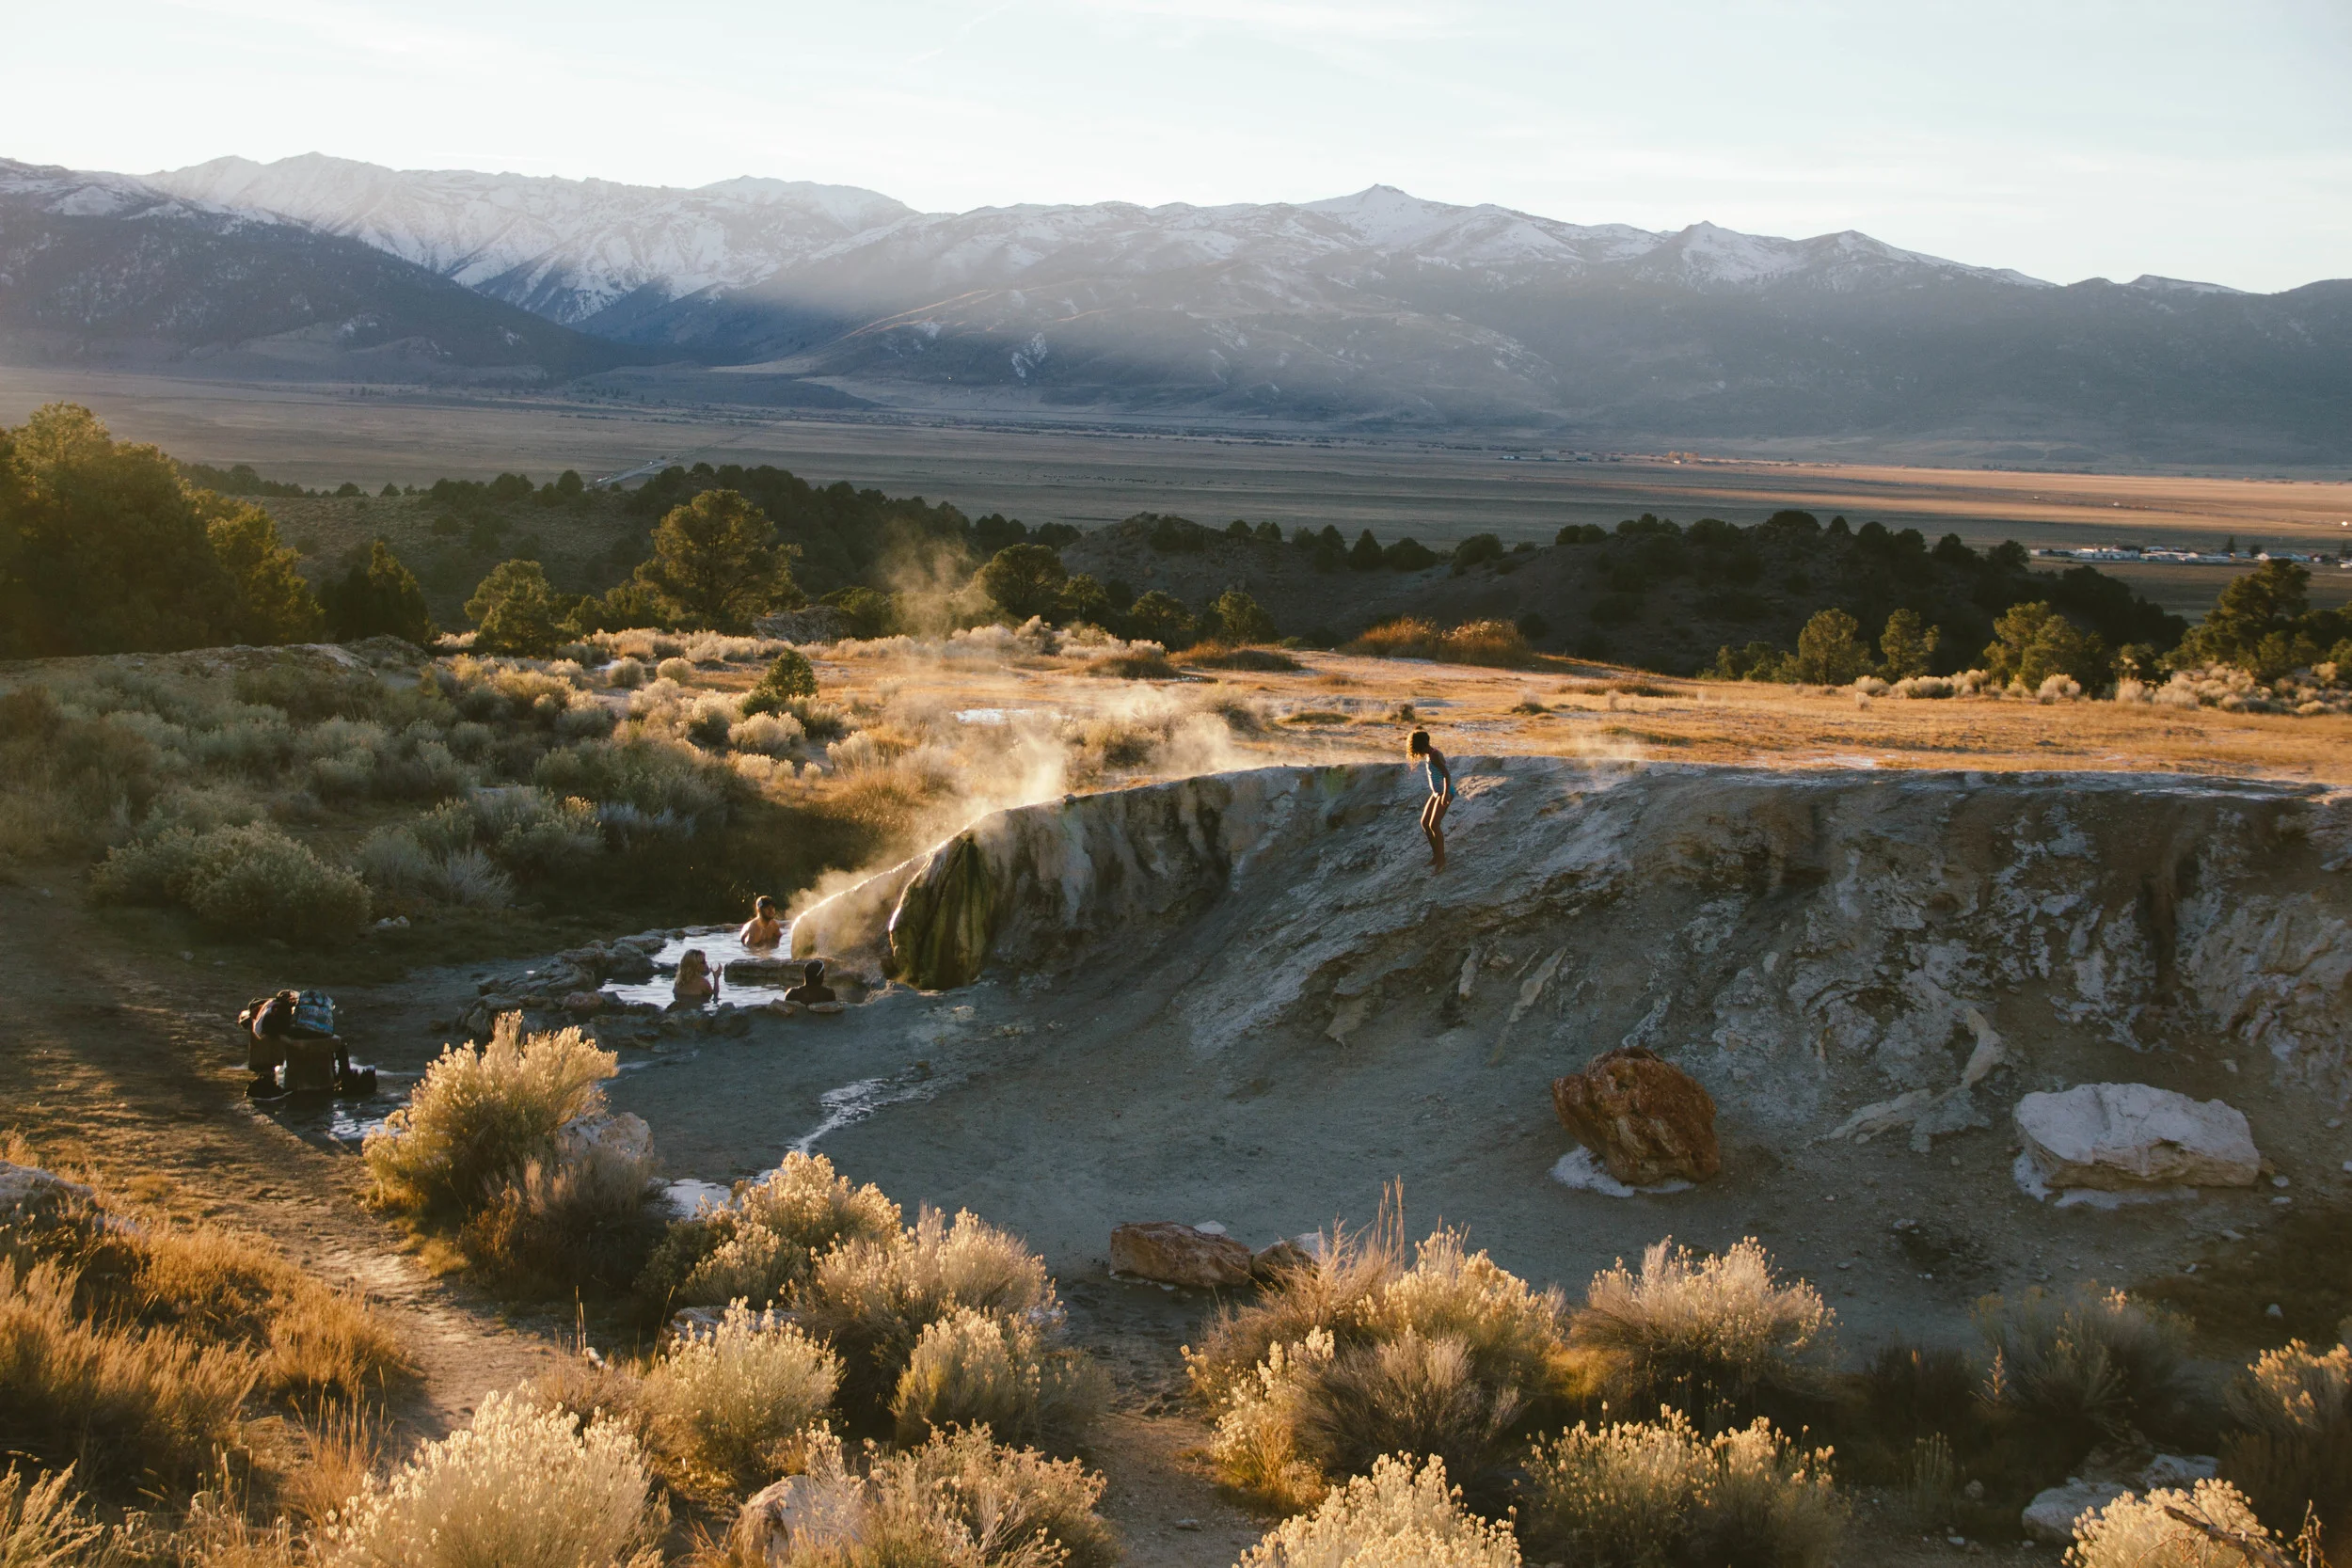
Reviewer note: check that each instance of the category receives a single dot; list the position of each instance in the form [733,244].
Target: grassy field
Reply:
[1436,493]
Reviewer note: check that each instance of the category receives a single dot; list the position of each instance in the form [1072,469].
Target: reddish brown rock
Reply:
[1176,1253]
[1647,1120]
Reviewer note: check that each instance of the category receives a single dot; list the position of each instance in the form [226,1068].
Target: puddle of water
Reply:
[981,716]
[687,1197]
[719,944]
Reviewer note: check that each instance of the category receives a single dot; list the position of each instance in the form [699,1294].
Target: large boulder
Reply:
[1175,1254]
[2116,1137]
[623,1137]
[1645,1119]
[2053,1515]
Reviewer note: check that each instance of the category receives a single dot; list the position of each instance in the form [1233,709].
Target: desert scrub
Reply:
[1355,1355]
[872,1299]
[250,881]
[481,1115]
[974,1369]
[1712,1335]
[736,1403]
[2293,1451]
[2149,1532]
[765,1239]
[522,1487]
[962,1498]
[584,1219]
[2084,1365]
[133,1410]
[1394,1517]
[41,1522]
[1661,1494]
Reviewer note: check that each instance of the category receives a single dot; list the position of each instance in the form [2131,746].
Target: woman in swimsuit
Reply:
[1441,794]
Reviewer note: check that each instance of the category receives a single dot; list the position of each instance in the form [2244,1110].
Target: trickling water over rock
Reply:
[1825,938]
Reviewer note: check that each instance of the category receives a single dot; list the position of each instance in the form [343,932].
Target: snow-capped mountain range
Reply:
[1376,311]
[573,250]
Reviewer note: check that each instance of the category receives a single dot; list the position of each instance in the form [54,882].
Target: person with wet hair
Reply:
[697,982]
[1440,777]
[763,929]
[812,989]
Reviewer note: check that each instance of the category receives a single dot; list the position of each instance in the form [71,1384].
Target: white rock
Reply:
[2052,1514]
[624,1136]
[38,1200]
[798,1515]
[2181,1472]
[2120,1136]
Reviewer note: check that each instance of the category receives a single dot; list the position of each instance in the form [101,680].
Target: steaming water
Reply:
[720,946]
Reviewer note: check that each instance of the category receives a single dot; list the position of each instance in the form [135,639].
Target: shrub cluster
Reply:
[1394,1517]
[1498,642]
[738,1402]
[478,1147]
[1646,1495]
[523,1486]
[1354,1354]
[1711,1335]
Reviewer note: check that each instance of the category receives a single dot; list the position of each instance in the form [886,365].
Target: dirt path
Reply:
[126,1060]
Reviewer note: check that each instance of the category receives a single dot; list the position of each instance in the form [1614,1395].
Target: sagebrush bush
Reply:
[133,1409]
[1406,637]
[1355,1355]
[522,1487]
[1485,642]
[626,672]
[560,1224]
[1708,1335]
[2085,1364]
[482,1114]
[872,1299]
[1392,1517]
[974,1369]
[249,880]
[2144,1532]
[2293,1451]
[678,670]
[766,1238]
[738,1403]
[961,1500]
[1661,1494]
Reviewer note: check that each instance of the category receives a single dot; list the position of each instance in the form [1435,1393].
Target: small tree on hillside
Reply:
[1830,651]
[268,601]
[1160,618]
[1364,555]
[716,563]
[789,679]
[516,611]
[1022,580]
[378,599]
[1240,619]
[2032,641]
[1083,601]
[2255,623]
[1905,646]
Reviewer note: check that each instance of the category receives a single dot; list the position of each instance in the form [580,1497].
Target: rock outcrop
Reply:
[1175,1254]
[2115,1137]
[34,1200]
[1806,944]
[623,1137]
[1647,1120]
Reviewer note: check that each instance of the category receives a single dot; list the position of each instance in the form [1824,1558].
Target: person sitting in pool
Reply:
[696,982]
[812,989]
[763,929]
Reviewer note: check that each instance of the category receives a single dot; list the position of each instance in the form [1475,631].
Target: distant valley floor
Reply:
[1438,493]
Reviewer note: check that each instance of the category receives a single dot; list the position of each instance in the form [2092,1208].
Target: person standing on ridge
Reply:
[1417,747]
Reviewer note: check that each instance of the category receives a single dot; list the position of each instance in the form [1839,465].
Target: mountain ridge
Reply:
[1376,311]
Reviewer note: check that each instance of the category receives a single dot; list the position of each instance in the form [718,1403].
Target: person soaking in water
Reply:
[696,982]
[763,929]
[1417,748]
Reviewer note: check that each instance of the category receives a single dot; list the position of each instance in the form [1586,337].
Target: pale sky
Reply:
[2066,138]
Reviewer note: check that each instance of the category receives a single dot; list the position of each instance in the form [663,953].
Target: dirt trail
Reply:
[127,1060]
